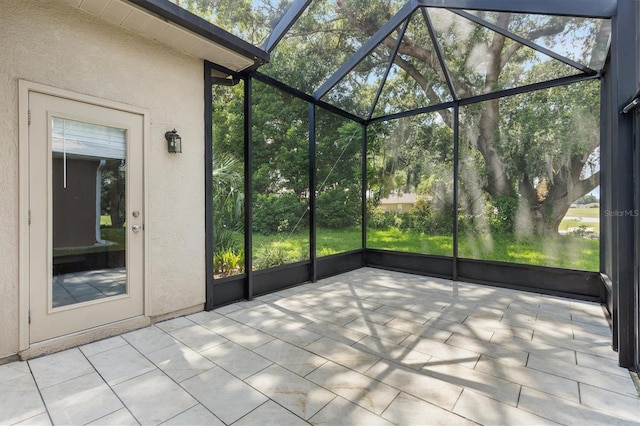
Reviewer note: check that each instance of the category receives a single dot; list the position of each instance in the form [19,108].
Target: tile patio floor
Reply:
[368,347]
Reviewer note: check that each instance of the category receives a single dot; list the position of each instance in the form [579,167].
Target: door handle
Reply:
[136,228]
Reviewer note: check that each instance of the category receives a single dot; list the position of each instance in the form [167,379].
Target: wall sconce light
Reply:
[174,141]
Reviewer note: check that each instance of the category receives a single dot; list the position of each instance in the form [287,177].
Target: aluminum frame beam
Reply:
[577,8]
[285,23]
[439,53]
[562,81]
[392,58]
[523,41]
[373,42]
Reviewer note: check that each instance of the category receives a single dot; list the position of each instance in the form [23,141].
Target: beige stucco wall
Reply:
[48,42]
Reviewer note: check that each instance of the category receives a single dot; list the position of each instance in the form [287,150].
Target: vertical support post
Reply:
[636,278]
[363,188]
[312,192]
[456,175]
[208,184]
[624,60]
[248,187]
[606,220]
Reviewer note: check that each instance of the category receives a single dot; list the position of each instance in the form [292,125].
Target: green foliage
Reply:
[228,190]
[228,262]
[269,256]
[225,239]
[417,221]
[588,199]
[502,213]
[379,219]
[273,214]
[338,208]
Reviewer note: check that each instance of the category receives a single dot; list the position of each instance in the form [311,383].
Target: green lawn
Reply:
[582,212]
[557,251]
[114,236]
[561,251]
[566,225]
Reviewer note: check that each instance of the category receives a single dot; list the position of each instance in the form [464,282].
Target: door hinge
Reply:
[29,317]
[29,217]
[29,117]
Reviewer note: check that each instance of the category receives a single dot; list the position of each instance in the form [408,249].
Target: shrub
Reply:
[338,209]
[228,262]
[269,256]
[224,239]
[277,213]
[379,219]
[502,211]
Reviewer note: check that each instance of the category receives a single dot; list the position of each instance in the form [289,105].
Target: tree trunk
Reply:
[498,183]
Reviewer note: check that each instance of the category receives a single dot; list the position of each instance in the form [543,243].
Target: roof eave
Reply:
[197,25]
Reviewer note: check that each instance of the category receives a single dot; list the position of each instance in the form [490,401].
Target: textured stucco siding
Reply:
[49,42]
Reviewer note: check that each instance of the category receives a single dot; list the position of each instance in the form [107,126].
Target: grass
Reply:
[562,251]
[582,212]
[115,236]
[395,239]
[566,225]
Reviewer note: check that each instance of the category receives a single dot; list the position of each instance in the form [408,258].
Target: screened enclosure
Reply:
[471,140]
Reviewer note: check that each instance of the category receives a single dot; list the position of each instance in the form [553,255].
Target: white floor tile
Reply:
[194,416]
[290,333]
[477,381]
[487,411]
[270,414]
[290,357]
[80,400]
[122,417]
[103,345]
[545,382]
[418,384]
[245,336]
[407,410]
[59,367]
[149,339]
[121,364]
[239,361]
[296,394]
[197,337]
[224,395]
[174,324]
[180,362]
[154,398]
[19,396]
[361,390]
[396,353]
[565,412]
[342,412]
[39,420]
[500,353]
[610,402]
[583,374]
[342,354]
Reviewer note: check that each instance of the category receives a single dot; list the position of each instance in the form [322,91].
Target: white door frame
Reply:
[24,87]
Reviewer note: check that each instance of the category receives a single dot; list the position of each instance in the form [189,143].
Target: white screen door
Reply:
[85,201]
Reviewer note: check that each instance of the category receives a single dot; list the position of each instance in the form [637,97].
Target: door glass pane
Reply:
[89,212]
